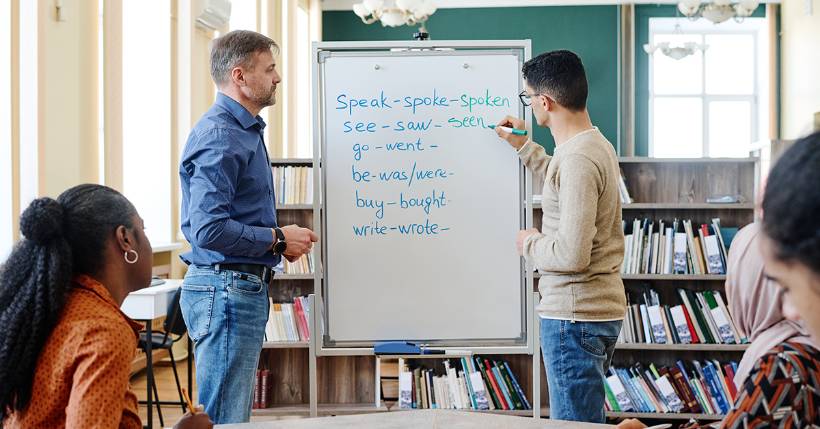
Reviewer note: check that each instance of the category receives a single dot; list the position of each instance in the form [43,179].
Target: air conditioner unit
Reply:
[215,14]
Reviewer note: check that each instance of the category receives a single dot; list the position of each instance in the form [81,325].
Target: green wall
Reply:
[589,31]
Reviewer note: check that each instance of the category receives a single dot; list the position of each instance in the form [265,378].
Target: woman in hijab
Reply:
[756,303]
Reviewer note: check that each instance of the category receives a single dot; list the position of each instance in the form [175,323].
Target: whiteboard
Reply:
[421,201]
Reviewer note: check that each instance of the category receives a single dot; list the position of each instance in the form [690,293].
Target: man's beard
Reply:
[265,100]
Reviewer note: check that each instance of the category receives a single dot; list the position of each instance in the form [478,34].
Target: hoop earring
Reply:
[136,256]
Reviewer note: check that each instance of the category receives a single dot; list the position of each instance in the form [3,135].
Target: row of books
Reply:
[303,265]
[692,387]
[677,247]
[700,317]
[294,185]
[288,322]
[623,191]
[479,384]
[261,392]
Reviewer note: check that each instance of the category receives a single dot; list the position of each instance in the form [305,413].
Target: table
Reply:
[450,419]
[145,305]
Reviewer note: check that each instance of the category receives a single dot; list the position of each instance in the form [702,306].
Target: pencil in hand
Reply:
[191,408]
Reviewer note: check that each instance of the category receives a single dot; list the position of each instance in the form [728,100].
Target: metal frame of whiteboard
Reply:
[320,51]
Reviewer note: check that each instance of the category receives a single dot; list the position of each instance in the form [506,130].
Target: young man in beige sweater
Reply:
[580,248]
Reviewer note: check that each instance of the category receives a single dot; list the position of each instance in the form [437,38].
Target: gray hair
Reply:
[236,49]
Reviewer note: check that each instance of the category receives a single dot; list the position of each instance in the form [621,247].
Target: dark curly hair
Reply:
[63,237]
[791,205]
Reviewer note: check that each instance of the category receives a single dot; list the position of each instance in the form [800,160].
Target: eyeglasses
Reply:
[526,99]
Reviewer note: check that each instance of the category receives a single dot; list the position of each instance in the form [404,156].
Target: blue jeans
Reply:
[225,312]
[577,356]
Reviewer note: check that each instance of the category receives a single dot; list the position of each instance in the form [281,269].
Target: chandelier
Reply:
[718,11]
[675,52]
[405,12]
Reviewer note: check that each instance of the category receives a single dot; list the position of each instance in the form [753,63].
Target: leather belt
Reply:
[262,271]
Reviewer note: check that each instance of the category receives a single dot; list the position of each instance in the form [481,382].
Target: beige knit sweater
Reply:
[581,245]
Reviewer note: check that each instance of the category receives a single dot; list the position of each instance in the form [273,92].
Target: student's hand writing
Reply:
[300,241]
[198,420]
[522,236]
[515,141]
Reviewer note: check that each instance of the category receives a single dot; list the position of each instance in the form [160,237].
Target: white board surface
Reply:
[422,201]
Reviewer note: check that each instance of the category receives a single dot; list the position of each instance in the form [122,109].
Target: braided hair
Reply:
[63,237]
[792,203]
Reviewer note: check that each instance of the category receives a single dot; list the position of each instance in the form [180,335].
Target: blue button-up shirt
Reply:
[228,206]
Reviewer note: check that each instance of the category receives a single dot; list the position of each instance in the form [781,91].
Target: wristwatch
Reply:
[280,245]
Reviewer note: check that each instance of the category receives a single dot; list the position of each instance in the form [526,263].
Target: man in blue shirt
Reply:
[229,217]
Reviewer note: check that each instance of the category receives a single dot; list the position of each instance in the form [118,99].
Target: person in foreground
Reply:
[783,387]
[65,347]
[580,247]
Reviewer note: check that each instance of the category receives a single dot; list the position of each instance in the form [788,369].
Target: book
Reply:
[720,319]
[264,391]
[621,396]
[491,389]
[681,326]
[737,333]
[517,386]
[405,390]
[680,266]
[714,259]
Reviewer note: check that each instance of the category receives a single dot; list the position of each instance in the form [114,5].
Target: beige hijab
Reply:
[756,303]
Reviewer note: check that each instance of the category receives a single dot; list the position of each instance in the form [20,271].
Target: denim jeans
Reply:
[577,356]
[225,312]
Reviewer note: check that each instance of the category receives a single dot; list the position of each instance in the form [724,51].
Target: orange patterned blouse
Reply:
[82,374]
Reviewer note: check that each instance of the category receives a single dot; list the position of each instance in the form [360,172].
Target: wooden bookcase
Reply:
[678,188]
[660,188]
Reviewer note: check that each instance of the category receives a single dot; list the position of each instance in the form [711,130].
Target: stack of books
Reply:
[260,389]
[677,247]
[699,318]
[294,185]
[694,387]
[288,322]
[468,383]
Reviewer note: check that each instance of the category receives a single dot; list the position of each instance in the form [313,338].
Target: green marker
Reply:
[515,131]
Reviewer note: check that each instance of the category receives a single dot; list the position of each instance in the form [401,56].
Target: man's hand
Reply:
[198,420]
[630,424]
[300,241]
[514,140]
[522,236]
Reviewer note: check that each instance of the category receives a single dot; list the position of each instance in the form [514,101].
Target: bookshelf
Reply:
[666,189]
[345,383]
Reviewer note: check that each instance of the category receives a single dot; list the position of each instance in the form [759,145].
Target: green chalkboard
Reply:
[589,31]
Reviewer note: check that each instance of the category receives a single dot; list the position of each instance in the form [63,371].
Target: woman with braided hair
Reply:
[65,346]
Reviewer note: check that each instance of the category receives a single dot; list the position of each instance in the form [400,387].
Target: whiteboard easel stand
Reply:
[316,345]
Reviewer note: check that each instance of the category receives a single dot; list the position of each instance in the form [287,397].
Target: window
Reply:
[146,111]
[243,16]
[302,133]
[27,103]
[6,202]
[713,103]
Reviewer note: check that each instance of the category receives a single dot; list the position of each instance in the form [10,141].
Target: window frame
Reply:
[702,27]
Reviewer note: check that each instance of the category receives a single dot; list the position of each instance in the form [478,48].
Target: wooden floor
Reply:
[167,388]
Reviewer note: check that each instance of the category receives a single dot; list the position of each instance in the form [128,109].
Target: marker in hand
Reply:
[515,131]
